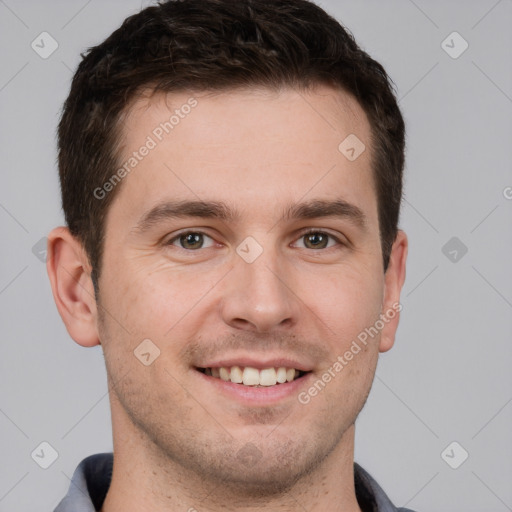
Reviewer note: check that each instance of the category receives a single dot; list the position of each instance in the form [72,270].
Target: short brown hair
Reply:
[216,45]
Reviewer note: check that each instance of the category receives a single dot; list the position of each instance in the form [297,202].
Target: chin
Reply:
[263,469]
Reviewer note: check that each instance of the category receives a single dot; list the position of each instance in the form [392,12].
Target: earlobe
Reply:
[69,272]
[393,282]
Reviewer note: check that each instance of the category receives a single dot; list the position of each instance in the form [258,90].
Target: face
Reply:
[243,238]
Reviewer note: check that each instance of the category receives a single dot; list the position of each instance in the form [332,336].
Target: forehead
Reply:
[321,110]
[251,146]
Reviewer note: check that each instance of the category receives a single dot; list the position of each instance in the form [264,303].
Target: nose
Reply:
[258,296]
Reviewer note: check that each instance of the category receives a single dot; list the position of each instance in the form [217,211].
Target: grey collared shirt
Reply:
[92,477]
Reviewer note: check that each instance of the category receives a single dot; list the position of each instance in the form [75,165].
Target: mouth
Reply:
[254,377]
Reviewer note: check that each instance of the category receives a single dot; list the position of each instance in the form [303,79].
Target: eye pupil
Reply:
[317,240]
[191,239]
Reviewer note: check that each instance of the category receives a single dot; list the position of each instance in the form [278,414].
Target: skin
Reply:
[179,443]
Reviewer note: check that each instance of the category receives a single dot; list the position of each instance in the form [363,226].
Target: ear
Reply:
[393,281]
[70,277]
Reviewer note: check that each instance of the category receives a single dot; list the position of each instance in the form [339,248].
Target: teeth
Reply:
[281,375]
[249,376]
[268,377]
[224,374]
[236,375]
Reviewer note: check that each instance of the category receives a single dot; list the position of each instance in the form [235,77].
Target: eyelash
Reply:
[302,235]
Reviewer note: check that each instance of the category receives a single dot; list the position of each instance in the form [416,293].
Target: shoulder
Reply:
[371,495]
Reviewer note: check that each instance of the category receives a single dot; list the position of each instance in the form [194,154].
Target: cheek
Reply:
[157,300]
[347,300]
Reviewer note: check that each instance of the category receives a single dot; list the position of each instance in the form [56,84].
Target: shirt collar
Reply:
[92,477]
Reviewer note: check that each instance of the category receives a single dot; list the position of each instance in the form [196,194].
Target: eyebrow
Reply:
[313,209]
[319,208]
[183,209]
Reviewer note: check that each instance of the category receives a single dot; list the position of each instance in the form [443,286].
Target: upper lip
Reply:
[260,364]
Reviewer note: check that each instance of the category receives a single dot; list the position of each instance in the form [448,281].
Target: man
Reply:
[231,177]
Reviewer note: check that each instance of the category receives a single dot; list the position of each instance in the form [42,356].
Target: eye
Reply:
[314,239]
[191,240]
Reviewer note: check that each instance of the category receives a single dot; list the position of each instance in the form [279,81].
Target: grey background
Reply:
[448,377]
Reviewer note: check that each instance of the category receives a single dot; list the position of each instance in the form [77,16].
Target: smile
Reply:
[249,376]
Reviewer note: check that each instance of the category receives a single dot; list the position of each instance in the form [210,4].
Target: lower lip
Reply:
[254,396]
